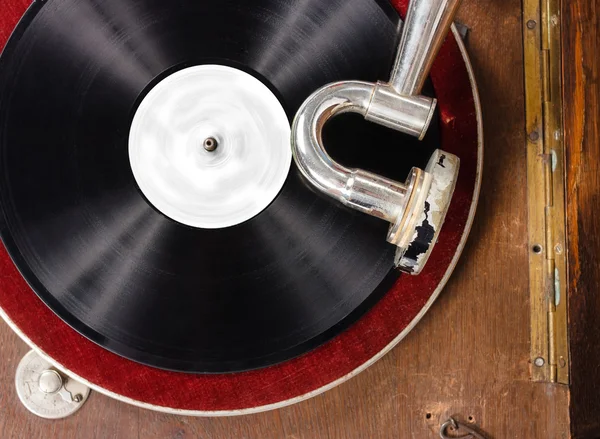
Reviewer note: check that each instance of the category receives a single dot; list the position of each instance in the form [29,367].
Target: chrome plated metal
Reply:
[425,28]
[361,190]
[399,106]
[50,382]
[409,114]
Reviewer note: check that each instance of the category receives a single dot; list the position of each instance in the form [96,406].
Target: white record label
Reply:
[209,146]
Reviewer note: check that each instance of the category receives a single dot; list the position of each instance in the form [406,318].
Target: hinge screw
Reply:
[534,136]
[558,249]
[531,24]
[539,362]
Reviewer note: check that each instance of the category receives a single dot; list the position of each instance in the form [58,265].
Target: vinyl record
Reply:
[199,285]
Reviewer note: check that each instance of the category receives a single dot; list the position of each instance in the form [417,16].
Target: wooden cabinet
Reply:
[470,356]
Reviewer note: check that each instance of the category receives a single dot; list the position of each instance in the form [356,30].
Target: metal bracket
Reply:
[45,391]
[546,191]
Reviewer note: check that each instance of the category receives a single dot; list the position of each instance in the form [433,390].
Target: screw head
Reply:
[531,24]
[534,136]
[539,362]
[50,382]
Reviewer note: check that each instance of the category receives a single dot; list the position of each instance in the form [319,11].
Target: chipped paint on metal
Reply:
[443,167]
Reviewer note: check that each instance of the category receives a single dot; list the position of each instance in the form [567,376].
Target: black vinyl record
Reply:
[125,275]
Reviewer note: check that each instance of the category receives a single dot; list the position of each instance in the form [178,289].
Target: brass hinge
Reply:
[546,191]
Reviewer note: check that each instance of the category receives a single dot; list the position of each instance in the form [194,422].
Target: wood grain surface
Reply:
[467,358]
[581,45]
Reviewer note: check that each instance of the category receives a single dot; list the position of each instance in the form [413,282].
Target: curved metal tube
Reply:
[364,191]
[396,105]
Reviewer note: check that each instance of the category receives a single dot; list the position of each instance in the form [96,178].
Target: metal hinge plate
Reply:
[546,191]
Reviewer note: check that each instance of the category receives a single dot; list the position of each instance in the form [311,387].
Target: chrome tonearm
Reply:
[417,208]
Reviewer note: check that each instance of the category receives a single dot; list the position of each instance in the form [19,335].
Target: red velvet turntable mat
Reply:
[320,368]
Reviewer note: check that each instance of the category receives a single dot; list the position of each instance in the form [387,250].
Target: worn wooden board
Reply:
[469,357]
[581,45]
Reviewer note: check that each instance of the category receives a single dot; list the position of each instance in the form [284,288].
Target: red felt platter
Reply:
[329,365]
